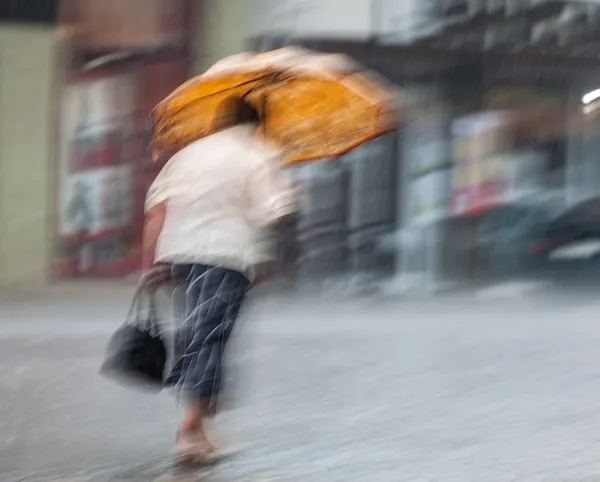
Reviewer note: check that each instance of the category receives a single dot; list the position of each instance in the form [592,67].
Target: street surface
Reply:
[505,390]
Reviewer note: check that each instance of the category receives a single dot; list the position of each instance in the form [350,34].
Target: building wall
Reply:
[27,67]
[220,30]
[333,19]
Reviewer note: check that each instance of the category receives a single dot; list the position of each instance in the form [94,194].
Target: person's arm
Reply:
[156,210]
[273,199]
[155,219]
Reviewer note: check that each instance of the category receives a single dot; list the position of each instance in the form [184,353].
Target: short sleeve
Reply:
[157,194]
[272,196]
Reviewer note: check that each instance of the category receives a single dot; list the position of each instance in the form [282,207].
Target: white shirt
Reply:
[220,194]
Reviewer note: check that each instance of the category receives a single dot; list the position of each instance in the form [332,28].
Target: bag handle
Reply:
[134,315]
[136,303]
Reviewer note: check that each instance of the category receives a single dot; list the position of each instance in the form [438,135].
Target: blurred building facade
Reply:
[78,81]
[125,57]
[495,131]
[495,136]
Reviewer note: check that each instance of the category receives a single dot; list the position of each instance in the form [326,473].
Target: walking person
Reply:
[206,215]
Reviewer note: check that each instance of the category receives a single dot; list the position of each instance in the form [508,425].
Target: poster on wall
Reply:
[97,201]
[95,179]
[104,168]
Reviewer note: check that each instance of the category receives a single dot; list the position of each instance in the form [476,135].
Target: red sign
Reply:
[478,199]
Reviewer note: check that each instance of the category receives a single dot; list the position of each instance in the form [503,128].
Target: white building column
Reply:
[221,28]
[424,194]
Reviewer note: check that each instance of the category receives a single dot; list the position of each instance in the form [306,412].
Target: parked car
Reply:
[569,247]
[504,236]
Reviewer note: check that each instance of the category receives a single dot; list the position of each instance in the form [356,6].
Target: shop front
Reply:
[104,169]
[503,138]
[121,67]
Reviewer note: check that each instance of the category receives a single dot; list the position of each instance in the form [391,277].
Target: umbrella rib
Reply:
[274,79]
[212,94]
[291,76]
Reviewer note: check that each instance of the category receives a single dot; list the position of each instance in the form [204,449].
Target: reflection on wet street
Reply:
[362,390]
[463,248]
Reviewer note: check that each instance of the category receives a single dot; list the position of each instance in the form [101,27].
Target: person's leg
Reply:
[184,304]
[192,440]
[181,275]
[213,298]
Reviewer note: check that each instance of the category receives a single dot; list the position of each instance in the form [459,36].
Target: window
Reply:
[30,11]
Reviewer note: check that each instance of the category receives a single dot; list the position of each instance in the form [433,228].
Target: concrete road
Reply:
[359,391]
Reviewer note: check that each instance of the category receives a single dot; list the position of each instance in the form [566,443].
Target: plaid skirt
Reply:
[206,305]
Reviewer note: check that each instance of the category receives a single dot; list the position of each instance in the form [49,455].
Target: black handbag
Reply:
[136,355]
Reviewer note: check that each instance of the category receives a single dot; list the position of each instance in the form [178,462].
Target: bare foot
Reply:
[193,447]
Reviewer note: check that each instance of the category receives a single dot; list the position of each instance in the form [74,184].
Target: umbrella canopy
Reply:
[313,106]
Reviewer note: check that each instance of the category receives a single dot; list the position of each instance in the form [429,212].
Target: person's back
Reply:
[220,192]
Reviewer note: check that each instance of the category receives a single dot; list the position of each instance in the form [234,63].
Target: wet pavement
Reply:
[358,391]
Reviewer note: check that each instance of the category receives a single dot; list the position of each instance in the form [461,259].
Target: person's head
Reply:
[244,113]
[235,112]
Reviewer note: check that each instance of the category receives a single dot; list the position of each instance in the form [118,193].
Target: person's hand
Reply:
[152,278]
[263,273]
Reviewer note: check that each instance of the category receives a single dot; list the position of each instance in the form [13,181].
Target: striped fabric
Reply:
[207,305]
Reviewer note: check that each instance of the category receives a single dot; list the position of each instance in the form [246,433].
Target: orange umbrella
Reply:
[313,106]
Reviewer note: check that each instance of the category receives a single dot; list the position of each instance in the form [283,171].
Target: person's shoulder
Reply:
[201,153]
[262,153]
